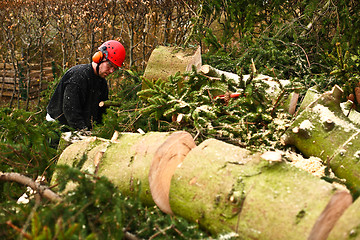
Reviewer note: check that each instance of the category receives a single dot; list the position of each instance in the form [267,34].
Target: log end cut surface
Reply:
[165,161]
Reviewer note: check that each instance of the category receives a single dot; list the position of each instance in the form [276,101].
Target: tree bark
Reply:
[323,130]
[222,187]
[225,188]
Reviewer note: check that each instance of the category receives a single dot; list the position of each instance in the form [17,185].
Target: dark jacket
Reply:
[75,101]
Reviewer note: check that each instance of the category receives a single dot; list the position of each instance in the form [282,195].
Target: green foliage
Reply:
[286,39]
[25,141]
[272,57]
[192,106]
[346,69]
[92,209]
[27,145]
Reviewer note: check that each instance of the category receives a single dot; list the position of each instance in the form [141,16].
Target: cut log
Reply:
[222,187]
[293,103]
[274,87]
[125,160]
[166,61]
[323,130]
[165,161]
[347,227]
[357,94]
[227,189]
[213,72]
[109,103]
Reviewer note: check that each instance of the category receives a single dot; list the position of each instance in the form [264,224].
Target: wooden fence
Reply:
[24,81]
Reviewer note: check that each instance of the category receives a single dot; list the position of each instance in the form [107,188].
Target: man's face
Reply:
[107,68]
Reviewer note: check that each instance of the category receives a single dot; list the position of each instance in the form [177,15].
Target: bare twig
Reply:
[130,236]
[161,231]
[307,58]
[44,191]
[28,120]
[30,217]
[211,98]
[24,234]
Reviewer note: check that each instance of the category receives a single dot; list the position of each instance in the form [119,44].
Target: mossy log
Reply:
[222,187]
[323,130]
[125,160]
[226,188]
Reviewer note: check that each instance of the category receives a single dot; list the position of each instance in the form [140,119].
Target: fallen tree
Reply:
[222,187]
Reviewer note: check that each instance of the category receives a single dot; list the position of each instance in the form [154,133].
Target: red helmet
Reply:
[113,51]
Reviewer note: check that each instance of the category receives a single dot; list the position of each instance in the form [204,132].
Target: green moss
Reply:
[127,161]
[252,197]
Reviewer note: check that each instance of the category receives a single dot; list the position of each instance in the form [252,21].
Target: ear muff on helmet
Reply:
[100,55]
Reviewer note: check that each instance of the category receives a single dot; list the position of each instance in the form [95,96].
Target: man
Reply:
[75,101]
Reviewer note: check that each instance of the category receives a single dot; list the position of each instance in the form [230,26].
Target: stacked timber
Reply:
[23,81]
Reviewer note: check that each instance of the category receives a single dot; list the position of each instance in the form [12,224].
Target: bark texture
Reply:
[323,130]
[42,190]
[226,188]
[222,187]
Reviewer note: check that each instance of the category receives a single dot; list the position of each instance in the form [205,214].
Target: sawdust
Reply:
[312,165]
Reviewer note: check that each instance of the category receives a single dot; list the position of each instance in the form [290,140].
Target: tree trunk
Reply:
[222,187]
[225,188]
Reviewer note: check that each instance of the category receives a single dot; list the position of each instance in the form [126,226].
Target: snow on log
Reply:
[274,89]
[214,72]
